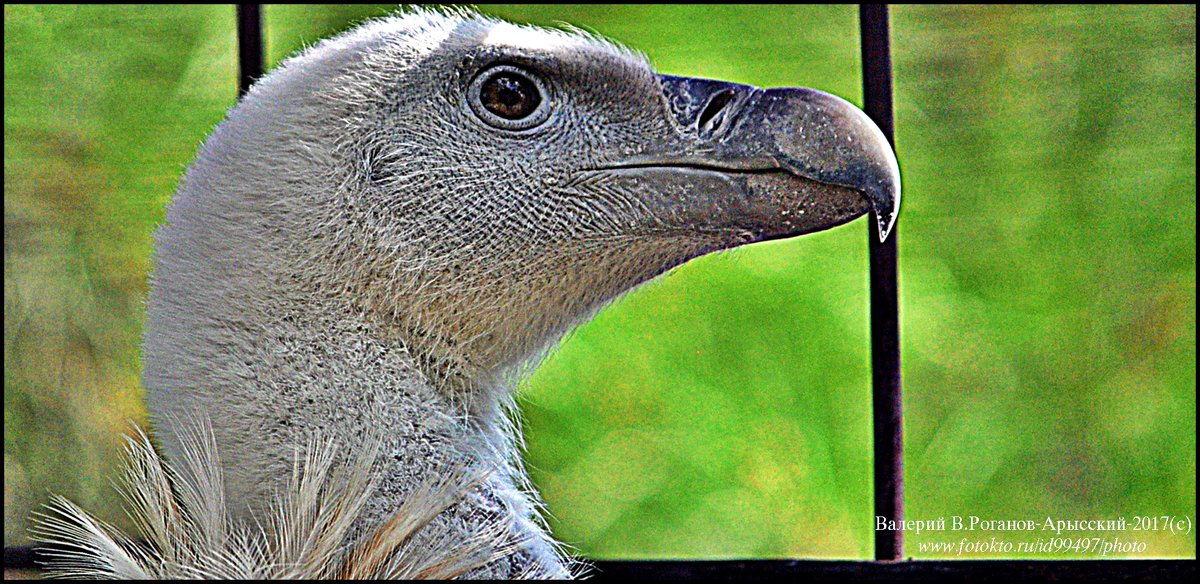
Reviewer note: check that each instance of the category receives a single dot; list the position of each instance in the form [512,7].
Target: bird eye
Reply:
[509,98]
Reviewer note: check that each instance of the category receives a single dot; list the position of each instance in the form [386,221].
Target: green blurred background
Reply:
[1047,248]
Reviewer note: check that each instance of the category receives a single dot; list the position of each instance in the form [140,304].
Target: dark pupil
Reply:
[510,96]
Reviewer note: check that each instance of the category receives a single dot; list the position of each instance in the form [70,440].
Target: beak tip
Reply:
[885,210]
[844,146]
[885,227]
[886,202]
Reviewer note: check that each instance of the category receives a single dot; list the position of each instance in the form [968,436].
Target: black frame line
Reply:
[250,46]
[886,406]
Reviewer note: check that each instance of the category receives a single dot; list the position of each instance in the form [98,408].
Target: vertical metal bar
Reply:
[250,45]
[885,317]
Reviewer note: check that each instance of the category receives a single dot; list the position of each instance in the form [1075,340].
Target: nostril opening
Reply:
[716,104]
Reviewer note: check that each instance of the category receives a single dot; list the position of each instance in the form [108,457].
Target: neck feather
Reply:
[271,366]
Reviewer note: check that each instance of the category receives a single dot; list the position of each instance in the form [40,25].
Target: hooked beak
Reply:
[766,163]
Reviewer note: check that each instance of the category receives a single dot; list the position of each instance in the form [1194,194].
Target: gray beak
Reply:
[767,163]
[827,139]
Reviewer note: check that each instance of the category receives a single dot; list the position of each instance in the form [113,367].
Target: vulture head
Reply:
[391,225]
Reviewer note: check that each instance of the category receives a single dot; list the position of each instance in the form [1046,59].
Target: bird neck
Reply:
[272,365]
[250,324]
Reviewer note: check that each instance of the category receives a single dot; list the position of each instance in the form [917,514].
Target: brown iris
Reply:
[509,96]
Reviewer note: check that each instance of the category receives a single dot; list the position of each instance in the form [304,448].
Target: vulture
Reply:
[383,236]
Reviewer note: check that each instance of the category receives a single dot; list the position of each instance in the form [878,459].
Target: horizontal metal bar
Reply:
[901,571]
[23,558]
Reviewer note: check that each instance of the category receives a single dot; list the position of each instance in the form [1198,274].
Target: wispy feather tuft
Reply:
[187,533]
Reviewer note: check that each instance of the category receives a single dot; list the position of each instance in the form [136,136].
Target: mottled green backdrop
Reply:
[1047,248]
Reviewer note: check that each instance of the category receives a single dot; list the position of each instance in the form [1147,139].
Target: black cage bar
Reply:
[250,45]
[887,413]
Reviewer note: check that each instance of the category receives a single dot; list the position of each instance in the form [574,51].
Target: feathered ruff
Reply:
[180,510]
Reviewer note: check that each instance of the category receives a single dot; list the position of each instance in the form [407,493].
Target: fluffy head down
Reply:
[356,249]
[359,170]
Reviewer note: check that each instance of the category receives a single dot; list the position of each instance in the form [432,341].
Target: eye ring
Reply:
[509,98]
